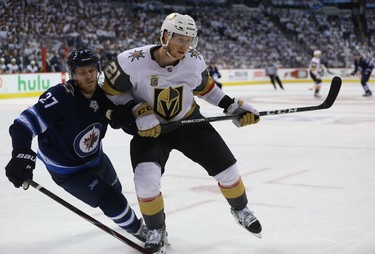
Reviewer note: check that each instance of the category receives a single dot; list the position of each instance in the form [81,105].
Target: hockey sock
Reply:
[153,212]
[235,195]
[115,206]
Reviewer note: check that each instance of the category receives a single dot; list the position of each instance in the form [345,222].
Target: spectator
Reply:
[13,67]
[3,67]
[301,22]
[32,67]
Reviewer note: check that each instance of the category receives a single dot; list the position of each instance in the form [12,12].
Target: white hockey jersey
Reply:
[315,67]
[169,90]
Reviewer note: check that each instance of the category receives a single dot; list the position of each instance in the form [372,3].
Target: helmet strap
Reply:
[165,47]
[168,54]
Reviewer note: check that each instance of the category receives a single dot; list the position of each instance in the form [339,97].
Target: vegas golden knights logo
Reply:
[168,102]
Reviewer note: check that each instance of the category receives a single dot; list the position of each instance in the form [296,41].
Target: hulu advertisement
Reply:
[26,85]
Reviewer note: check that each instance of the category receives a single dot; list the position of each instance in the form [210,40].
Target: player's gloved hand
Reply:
[352,73]
[330,72]
[248,114]
[147,123]
[368,71]
[121,117]
[20,167]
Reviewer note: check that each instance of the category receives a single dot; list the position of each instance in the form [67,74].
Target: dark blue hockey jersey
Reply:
[69,127]
[363,65]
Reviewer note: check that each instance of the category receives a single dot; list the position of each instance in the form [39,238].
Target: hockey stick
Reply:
[331,72]
[327,103]
[87,217]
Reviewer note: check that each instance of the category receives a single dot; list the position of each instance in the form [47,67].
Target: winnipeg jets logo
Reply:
[90,141]
[87,141]
[136,54]
[194,53]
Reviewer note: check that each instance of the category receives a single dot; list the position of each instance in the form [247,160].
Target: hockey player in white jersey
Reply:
[157,83]
[315,68]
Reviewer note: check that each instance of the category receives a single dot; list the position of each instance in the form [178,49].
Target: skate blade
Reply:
[259,235]
[163,250]
[166,239]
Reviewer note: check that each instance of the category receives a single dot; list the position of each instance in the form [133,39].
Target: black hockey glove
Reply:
[368,71]
[20,167]
[121,116]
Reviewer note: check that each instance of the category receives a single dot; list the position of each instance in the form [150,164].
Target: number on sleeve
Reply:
[112,72]
[49,100]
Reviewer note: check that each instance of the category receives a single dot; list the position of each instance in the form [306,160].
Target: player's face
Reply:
[179,45]
[86,79]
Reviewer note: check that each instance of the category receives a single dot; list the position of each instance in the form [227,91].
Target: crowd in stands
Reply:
[333,35]
[286,31]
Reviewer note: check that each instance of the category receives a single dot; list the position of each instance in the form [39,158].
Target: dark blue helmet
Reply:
[82,57]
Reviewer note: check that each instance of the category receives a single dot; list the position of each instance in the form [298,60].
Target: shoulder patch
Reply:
[195,53]
[136,54]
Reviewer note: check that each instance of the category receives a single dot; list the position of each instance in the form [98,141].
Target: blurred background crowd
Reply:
[37,35]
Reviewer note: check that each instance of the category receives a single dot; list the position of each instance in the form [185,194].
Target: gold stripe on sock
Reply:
[151,207]
[233,192]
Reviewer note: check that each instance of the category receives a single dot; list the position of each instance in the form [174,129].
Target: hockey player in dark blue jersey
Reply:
[69,120]
[365,67]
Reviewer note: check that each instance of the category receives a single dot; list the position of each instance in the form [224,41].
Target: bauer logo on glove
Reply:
[20,167]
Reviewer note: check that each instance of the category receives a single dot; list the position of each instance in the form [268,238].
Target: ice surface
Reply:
[309,176]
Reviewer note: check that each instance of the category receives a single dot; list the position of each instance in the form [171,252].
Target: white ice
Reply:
[309,176]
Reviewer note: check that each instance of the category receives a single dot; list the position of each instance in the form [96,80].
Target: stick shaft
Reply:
[328,102]
[86,216]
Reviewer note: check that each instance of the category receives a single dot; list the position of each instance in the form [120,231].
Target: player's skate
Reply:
[157,241]
[317,95]
[247,220]
[368,93]
[141,234]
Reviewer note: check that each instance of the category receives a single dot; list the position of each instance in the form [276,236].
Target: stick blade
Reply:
[333,92]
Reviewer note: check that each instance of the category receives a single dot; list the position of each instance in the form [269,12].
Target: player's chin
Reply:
[179,55]
[90,88]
